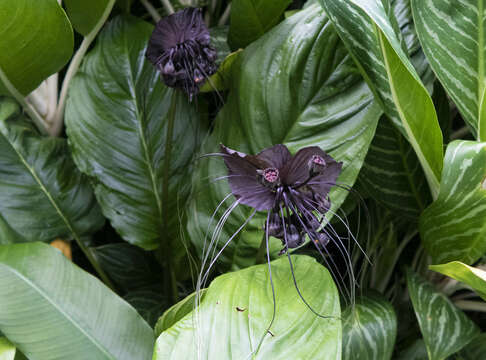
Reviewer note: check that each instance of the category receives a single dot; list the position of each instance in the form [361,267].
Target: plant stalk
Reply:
[167,256]
[58,119]
[261,257]
[29,109]
[471,305]
[151,10]
[168,6]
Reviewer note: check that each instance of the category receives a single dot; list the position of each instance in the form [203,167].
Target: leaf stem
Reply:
[168,6]
[169,273]
[226,14]
[29,109]
[58,119]
[471,305]
[261,254]
[151,10]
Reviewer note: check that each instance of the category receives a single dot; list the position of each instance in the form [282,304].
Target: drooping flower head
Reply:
[292,189]
[180,49]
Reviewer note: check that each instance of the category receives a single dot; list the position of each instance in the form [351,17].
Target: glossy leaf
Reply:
[274,100]
[445,328]
[392,174]
[7,349]
[130,267]
[48,318]
[454,226]
[237,309]
[38,170]
[472,276]
[116,117]
[369,32]
[369,330]
[453,38]
[250,19]
[37,41]
[221,80]
[84,14]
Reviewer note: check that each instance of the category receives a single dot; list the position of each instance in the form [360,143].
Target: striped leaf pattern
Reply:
[445,328]
[368,31]
[453,37]
[369,330]
[392,174]
[454,226]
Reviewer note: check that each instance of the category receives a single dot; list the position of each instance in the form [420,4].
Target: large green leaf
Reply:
[237,309]
[117,117]
[39,171]
[37,41]
[7,349]
[369,329]
[51,309]
[474,277]
[445,328]
[85,14]
[453,38]
[250,19]
[392,174]
[302,90]
[454,226]
[370,33]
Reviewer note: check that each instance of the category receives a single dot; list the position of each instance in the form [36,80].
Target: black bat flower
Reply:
[292,189]
[180,49]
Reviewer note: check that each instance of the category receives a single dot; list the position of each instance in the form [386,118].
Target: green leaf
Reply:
[474,277]
[130,267]
[369,32]
[476,349]
[52,309]
[149,302]
[445,328]
[237,308]
[454,226]
[416,351]
[369,329]
[250,19]
[85,14]
[453,38]
[392,174]
[7,349]
[221,80]
[274,100]
[176,312]
[38,170]
[116,117]
[37,41]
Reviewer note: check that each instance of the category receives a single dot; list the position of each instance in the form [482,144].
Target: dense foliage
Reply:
[236,179]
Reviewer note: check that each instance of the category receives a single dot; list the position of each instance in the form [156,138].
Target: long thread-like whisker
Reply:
[292,269]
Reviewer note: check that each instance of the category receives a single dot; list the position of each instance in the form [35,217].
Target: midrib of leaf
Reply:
[44,190]
[433,181]
[53,303]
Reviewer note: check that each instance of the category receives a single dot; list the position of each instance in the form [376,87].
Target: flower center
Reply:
[317,164]
[271,175]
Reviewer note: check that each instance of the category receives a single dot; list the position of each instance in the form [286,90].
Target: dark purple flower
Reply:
[180,49]
[292,189]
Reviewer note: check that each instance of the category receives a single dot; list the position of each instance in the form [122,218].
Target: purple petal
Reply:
[243,180]
[297,169]
[276,156]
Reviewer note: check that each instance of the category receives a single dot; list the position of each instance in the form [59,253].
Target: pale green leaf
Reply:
[445,328]
[237,309]
[472,276]
[51,309]
[7,349]
[36,41]
[454,226]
